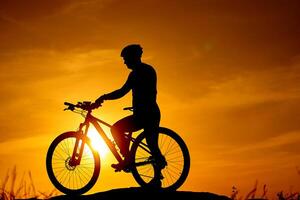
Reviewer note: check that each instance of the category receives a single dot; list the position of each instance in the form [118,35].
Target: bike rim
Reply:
[173,154]
[143,155]
[72,177]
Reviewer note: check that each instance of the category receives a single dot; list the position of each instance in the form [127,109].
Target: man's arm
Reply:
[117,93]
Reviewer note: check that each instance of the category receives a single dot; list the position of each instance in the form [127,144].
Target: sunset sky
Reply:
[228,83]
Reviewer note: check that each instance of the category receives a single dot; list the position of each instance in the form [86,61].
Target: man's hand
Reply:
[99,101]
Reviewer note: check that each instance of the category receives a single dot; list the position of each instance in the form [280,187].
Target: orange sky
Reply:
[228,82]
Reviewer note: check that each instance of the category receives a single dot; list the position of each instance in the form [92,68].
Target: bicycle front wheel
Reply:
[175,152]
[72,180]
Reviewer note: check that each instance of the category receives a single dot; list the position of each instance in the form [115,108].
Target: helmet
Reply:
[132,50]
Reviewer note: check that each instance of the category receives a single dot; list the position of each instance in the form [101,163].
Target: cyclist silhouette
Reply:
[142,82]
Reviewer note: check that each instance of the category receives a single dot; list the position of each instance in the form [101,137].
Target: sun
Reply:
[97,142]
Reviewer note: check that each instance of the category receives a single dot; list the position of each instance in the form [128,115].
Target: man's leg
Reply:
[152,140]
[118,131]
[152,133]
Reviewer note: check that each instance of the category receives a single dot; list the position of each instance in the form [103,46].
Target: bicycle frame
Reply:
[74,172]
[80,142]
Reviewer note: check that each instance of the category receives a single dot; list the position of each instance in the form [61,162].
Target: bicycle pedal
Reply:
[117,167]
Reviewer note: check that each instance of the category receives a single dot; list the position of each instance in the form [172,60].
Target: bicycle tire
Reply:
[178,142]
[51,170]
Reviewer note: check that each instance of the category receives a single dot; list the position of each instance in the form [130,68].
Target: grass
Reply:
[12,189]
[252,194]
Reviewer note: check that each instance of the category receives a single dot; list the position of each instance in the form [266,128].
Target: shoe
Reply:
[118,167]
[125,165]
[154,184]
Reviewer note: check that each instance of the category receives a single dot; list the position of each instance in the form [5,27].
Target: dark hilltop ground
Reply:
[140,194]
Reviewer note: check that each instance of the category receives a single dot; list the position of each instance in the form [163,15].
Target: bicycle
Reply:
[73,166]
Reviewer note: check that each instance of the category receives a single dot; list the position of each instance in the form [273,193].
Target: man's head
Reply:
[132,55]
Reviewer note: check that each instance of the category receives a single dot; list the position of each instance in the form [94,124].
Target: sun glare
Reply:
[97,142]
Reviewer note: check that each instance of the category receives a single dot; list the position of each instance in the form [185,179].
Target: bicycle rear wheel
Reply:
[175,152]
[72,180]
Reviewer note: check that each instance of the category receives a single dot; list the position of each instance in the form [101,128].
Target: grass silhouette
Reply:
[24,189]
[252,194]
[12,189]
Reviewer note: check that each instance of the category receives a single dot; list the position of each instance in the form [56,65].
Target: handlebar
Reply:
[68,104]
[85,105]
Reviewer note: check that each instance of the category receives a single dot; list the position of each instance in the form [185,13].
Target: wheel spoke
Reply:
[176,154]
[146,176]
[72,178]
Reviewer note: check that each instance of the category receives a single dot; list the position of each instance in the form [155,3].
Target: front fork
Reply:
[79,145]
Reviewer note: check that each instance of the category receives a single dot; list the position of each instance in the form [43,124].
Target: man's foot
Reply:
[154,184]
[118,167]
[124,165]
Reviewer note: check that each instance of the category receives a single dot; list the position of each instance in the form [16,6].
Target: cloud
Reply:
[237,109]
[35,83]
[25,144]
[224,33]
[259,159]
[31,9]
[216,87]
[275,144]
[49,24]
